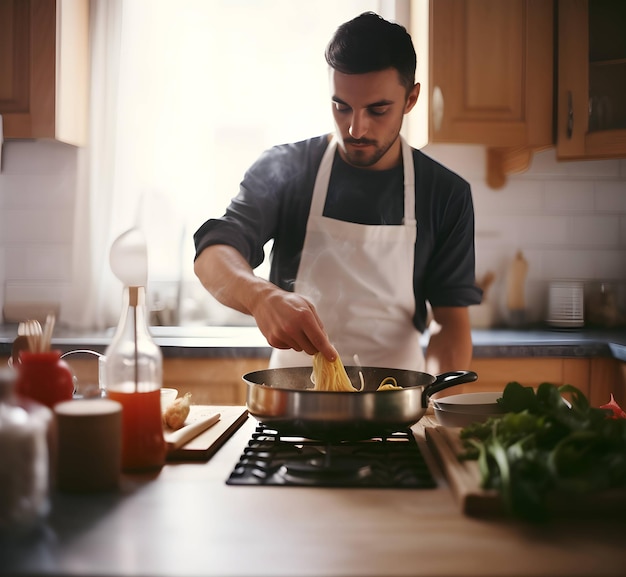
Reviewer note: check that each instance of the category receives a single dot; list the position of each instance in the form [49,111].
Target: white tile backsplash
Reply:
[44,191]
[594,231]
[610,196]
[567,196]
[568,218]
[44,157]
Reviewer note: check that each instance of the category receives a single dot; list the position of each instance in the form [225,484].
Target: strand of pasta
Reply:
[332,376]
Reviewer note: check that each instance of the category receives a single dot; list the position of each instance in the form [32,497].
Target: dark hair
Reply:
[369,43]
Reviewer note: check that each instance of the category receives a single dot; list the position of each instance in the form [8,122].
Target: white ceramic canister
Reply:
[24,458]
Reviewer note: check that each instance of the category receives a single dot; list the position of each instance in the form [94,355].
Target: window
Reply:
[203,87]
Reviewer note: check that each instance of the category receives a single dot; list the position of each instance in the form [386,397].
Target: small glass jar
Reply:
[25,458]
[44,377]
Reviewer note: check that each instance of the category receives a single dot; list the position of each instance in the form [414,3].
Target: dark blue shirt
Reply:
[275,197]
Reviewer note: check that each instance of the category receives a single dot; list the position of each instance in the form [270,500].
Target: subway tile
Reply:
[467,160]
[34,226]
[594,231]
[2,273]
[36,191]
[33,291]
[560,264]
[522,196]
[39,157]
[42,262]
[503,229]
[544,164]
[593,168]
[569,196]
[538,230]
[610,264]
[610,196]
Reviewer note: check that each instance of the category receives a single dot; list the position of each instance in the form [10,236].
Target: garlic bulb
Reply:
[177,412]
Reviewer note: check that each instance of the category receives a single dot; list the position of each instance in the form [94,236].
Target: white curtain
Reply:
[185,94]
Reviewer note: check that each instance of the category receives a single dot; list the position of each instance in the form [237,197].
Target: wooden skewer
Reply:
[33,344]
[47,333]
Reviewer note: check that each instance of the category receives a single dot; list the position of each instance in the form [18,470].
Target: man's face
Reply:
[368,110]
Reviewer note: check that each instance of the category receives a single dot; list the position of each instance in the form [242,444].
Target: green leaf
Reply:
[517,398]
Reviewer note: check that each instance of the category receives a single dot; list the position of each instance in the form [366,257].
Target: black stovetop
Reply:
[391,461]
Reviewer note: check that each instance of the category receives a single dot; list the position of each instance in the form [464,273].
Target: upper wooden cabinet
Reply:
[491,72]
[491,77]
[591,79]
[44,68]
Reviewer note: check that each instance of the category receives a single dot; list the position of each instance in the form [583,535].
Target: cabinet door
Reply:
[491,72]
[44,65]
[27,67]
[591,79]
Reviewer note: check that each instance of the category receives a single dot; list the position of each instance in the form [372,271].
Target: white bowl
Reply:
[168,396]
[470,403]
[452,419]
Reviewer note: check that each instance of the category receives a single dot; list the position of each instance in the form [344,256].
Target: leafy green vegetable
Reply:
[544,445]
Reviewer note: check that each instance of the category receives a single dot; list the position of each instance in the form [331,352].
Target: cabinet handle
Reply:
[437,108]
[570,115]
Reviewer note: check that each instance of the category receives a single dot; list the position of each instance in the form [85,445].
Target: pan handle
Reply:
[445,380]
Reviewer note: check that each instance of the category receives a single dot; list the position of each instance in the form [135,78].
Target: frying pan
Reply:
[284,400]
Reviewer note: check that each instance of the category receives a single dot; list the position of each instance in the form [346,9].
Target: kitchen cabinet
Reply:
[597,377]
[491,79]
[211,381]
[591,79]
[44,68]
[607,376]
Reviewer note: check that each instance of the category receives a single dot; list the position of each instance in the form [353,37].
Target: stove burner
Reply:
[324,471]
[390,461]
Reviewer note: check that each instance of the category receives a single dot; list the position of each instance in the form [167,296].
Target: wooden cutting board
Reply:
[464,480]
[463,476]
[204,445]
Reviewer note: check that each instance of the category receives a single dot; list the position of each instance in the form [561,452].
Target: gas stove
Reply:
[390,461]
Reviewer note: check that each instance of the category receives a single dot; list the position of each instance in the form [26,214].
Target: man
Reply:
[366,229]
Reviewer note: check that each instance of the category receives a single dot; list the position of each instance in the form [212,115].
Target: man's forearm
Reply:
[450,347]
[228,277]
[287,320]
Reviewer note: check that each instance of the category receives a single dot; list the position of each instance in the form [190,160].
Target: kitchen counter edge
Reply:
[248,342]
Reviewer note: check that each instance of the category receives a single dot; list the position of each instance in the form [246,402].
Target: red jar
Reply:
[44,377]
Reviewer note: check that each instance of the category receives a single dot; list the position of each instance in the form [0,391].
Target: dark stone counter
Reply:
[248,342]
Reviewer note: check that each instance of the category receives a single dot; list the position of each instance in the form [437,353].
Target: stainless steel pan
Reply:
[284,399]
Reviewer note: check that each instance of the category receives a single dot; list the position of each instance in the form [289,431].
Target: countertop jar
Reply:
[44,377]
[25,458]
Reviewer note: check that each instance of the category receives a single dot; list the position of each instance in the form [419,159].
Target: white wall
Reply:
[569,219]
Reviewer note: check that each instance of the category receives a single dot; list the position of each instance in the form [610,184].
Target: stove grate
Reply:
[390,461]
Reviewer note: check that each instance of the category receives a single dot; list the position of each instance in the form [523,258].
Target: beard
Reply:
[367,157]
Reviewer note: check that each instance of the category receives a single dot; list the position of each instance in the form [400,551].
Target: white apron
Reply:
[360,279]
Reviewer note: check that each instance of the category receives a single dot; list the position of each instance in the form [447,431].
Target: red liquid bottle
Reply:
[133,377]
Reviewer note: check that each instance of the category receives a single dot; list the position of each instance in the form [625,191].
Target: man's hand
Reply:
[286,319]
[290,321]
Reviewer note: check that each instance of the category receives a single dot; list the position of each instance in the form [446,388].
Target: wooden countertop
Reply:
[187,522]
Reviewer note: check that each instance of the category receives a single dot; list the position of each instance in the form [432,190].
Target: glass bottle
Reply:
[25,459]
[134,376]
